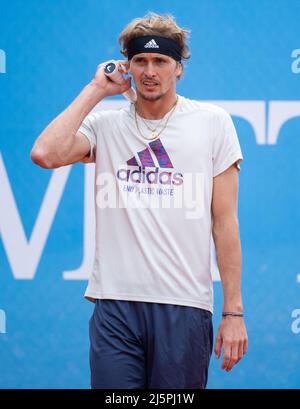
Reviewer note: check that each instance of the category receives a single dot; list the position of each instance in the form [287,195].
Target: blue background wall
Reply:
[241,50]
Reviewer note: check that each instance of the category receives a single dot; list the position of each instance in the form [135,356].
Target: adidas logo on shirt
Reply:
[144,159]
[151,44]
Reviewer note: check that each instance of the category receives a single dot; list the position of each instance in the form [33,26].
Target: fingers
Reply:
[245,346]
[126,85]
[240,351]
[234,356]
[123,66]
[233,335]
[227,355]
[233,353]
[125,63]
[218,346]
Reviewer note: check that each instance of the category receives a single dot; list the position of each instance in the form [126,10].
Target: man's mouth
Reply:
[150,84]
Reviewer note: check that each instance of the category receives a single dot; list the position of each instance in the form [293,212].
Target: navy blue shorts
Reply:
[144,345]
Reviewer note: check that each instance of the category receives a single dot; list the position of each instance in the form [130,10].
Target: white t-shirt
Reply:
[153,202]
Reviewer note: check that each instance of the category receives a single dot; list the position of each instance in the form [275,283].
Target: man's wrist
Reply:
[233,306]
[233,309]
[96,88]
[232,314]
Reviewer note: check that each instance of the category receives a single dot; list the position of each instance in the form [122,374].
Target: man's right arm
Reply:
[61,143]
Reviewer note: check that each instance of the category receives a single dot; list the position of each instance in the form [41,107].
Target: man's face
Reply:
[154,74]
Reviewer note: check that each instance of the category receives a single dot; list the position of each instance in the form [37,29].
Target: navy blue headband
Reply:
[154,44]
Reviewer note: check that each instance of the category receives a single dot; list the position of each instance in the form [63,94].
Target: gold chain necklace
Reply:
[150,129]
[154,134]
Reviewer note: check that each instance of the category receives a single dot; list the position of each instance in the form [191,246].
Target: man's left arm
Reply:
[232,334]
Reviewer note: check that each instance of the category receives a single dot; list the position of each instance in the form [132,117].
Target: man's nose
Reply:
[149,70]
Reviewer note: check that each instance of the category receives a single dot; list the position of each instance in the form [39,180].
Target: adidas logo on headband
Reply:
[151,44]
[154,44]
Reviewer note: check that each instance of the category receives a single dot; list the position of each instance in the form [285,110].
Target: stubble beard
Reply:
[152,97]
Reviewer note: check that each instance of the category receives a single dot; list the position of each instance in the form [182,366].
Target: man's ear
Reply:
[178,69]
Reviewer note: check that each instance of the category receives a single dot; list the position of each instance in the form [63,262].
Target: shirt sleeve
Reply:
[89,128]
[226,148]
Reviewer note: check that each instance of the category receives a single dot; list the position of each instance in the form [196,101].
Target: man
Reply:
[151,282]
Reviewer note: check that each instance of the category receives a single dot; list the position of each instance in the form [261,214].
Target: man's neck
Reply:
[155,109]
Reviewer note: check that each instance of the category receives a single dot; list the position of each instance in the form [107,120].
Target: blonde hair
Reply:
[155,24]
